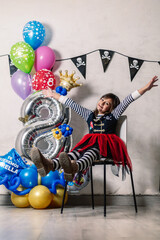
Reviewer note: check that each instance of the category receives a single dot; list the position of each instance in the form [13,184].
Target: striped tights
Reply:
[83,161]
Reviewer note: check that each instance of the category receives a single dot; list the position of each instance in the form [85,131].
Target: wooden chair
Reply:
[121,131]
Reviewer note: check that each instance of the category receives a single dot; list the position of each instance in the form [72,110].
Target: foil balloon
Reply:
[43,79]
[21,84]
[22,55]
[68,81]
[80,180]
[44,58]
[39,115]
[34,34]
[11,164]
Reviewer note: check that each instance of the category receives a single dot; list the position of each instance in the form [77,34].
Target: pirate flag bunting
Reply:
[80,63]
[106,57]
[134,66]
[12,68]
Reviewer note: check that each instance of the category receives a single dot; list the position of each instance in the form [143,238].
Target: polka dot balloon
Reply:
[34,34]
[43,79]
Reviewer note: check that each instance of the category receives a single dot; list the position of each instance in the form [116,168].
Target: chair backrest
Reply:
[121,129]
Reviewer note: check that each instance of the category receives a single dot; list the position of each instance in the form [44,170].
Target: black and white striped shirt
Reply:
[85,113]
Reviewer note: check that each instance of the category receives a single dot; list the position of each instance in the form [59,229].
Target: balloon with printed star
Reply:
[43,79]
[34,34]
[22,55]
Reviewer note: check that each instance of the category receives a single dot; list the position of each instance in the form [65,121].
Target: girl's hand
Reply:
[149,85]
[48,93]
[152,83]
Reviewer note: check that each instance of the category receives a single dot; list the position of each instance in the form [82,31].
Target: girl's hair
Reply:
[115,101]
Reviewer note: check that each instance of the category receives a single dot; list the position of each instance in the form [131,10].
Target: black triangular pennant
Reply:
[12,68]
[106,57]
[134,66]
[80,63]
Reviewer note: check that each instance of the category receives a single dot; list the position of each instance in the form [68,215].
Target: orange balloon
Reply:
[40,197]
[58,198]
[20,201]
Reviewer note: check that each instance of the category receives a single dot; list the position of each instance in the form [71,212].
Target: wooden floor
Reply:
[80,222]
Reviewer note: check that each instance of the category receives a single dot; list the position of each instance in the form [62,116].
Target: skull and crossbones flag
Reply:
[106,57]
[12,68]
[80,63]
[134,66]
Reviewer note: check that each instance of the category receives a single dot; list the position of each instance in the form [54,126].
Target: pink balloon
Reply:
[44,58]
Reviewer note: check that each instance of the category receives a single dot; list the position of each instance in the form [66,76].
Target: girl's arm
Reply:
[83,112]
[117,112]
[149,85]
[48,93]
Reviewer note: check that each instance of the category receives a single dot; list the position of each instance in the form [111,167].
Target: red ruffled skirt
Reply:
[106,143]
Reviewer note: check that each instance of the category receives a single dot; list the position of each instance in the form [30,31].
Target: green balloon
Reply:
[22,56]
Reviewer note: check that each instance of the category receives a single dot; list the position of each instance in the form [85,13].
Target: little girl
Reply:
[101,140]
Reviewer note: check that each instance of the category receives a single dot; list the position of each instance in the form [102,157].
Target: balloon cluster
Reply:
[63,129]
[27,187]
[66,130]
[28,54]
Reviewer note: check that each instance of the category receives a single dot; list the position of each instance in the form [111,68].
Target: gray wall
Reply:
[73,27]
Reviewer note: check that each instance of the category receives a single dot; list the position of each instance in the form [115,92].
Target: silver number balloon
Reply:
[39,115]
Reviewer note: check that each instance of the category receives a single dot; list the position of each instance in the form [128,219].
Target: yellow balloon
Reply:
[20,201]
[58,198]
[40,197]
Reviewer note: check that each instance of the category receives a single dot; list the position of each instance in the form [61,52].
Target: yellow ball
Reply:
[58,198]
[40,197]
[20,201]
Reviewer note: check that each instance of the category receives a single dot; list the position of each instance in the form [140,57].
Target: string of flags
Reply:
[106,57]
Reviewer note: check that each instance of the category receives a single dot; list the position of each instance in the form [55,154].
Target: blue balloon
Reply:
[61,90]
[50,178]
[29,177]
[34,167]
[34,34]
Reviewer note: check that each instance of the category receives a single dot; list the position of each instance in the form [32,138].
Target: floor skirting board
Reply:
[80,200]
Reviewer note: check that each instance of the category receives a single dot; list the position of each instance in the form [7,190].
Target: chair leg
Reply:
[64,194]
[134,196]
[92,187]
[104,189]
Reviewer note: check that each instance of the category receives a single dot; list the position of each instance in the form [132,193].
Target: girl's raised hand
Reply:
[47,92]
[51,94]
[152,83]
[149,85]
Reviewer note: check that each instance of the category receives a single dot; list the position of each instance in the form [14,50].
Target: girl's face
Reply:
[104,105]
